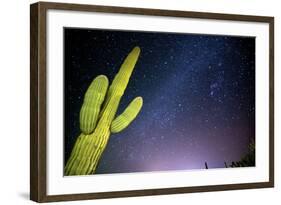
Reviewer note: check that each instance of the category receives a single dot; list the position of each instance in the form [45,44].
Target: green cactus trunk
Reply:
[97,118]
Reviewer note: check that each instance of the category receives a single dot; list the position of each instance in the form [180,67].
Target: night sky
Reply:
[198,93]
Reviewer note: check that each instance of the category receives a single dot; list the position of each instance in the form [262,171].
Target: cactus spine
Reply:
[97,117]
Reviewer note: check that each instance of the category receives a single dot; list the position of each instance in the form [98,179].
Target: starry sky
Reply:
[198,92]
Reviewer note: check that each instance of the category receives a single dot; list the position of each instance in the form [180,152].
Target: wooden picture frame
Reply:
[39,103]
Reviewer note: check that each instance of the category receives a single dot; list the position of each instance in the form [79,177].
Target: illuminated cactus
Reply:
[97,118]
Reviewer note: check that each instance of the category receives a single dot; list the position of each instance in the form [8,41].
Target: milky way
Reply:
[198,92]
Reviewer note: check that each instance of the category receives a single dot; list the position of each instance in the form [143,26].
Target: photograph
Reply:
[143,101]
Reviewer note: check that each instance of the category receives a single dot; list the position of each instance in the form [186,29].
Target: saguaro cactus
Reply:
[97,118]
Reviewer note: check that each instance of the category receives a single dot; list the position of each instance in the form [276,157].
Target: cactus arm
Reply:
[130,113]
[93,100]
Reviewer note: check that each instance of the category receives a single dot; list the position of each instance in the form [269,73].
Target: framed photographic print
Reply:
[134,102]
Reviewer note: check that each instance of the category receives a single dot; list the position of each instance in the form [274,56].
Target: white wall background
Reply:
[14,100]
